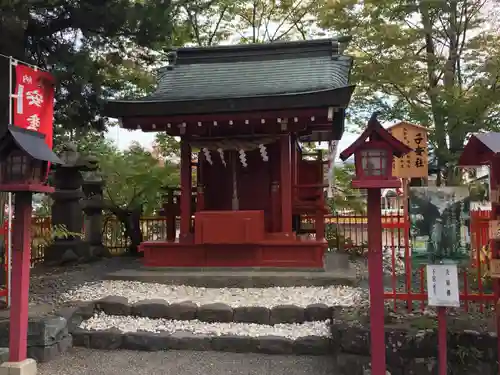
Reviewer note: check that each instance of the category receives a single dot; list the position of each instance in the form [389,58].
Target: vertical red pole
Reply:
[442,341]
[494,176]
[21,252]
[286,184]
[375,272]
[200,192]
[170,215]
[186,190]
[406,241]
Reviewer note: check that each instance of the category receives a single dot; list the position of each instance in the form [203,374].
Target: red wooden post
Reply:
[320,214]
[170,215]
[186,177]
[275,206]
[286,184]
[375,271]
[494,245]
[21,252]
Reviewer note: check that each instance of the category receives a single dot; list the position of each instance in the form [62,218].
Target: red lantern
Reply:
[373,153]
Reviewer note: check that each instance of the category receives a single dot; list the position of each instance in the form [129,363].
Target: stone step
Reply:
[238,278]
[181,340]
[210,313]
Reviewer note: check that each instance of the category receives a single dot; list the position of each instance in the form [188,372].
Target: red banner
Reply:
[33,101]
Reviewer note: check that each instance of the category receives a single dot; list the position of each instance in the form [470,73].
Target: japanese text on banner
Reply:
[33,101]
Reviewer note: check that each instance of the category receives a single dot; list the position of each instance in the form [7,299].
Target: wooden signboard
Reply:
[414,164]
[495,268]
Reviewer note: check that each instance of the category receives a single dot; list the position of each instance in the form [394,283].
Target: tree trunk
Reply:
[130,218]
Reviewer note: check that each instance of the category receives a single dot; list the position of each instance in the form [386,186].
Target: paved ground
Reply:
[98,362]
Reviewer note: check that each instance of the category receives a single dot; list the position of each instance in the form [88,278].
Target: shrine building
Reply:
[245,110]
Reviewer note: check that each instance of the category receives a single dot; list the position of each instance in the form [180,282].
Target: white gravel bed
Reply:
[102,322]
[234,297]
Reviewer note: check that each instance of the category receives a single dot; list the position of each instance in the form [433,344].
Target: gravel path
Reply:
[132,324]
[47,284]
[97,362]
[234,297]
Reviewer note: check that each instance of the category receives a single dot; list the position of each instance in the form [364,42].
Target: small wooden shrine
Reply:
[246,109]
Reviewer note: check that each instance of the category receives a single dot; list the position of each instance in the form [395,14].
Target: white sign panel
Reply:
[442,285]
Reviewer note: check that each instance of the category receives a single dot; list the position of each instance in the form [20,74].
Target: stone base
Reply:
[26,367]
[4,355]
[66,252]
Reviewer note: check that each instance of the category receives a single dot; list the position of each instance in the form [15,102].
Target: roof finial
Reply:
[374,119]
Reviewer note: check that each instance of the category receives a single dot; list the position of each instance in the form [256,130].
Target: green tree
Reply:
[345,197]
[434,63]
[96,50]
[133,181]
[211,22]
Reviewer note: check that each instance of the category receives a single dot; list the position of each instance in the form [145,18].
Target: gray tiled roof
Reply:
[236,72]
[490,140]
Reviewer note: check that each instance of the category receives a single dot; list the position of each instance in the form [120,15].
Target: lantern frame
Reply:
[375,137]
[24,161]
[359,159]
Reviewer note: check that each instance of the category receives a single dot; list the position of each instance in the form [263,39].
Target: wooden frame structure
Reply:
[245,110]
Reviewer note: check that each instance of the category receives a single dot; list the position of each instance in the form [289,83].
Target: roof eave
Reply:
[338,97]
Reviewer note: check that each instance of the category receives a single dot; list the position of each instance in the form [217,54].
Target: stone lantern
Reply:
[24,158]
[373,152]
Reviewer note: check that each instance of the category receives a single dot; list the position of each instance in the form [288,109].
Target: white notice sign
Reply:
[442,285]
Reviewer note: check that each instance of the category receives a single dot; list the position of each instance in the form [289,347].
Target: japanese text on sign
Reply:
[415,163]
[442,285]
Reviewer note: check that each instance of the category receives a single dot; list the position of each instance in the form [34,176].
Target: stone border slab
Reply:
[148,341]
[210,313]
[408,351]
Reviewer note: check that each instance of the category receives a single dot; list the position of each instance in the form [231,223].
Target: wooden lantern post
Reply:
[23,170]
[373,152]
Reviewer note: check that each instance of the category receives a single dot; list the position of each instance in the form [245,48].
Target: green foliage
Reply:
[205,23]
[434,63]
[133,177]
[59,231]
[96,49]
[345,197]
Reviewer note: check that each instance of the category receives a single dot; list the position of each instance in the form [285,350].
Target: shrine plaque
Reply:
[415,164]
[495,268]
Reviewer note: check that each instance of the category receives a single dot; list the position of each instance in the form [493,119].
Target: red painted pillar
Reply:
[21,253]
[375,274]
[200,192]
[286,184]
[320,213]
[170,215]
[186,189]
[494,245]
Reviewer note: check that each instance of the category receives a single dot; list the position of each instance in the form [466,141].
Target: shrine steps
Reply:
[237,277]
